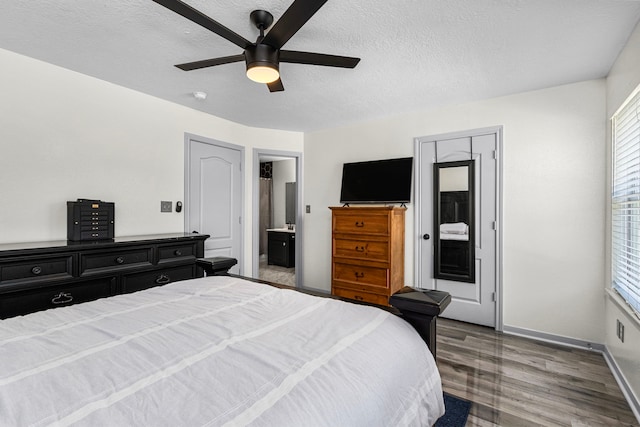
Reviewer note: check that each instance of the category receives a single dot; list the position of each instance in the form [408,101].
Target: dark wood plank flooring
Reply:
[514,381]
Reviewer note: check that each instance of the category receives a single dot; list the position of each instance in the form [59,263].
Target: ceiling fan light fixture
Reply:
[262,63]
[262,73]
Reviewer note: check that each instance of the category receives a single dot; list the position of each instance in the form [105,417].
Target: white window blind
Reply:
[625,202]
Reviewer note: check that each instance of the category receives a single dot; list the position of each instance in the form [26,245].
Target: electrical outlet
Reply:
[166,206]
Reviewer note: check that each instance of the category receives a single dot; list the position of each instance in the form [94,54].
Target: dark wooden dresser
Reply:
[42,275]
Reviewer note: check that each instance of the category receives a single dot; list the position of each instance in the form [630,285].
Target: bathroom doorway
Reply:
[277,215]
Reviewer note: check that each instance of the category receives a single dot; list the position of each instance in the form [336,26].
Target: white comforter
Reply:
[216,351]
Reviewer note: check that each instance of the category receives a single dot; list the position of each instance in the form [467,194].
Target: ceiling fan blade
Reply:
[275,86]
[291,21]
[210,62]
[295,57]
[200,18]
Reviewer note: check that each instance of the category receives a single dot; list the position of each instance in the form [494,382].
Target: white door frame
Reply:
[417,206]
[257,152]
[188,137]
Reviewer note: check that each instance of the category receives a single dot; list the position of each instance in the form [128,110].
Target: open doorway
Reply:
[277,200]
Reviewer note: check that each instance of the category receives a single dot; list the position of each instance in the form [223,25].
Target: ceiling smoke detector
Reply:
[200,95]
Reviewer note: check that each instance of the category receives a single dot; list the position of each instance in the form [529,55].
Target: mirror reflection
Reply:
[454,246]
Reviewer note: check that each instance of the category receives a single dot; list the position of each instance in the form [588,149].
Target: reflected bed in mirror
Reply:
[454,200]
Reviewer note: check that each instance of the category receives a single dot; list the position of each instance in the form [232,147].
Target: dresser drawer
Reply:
[95,226]
[139,281]
[176,252]
[95,235]
[36,269]
[361,249]
[99,262]
[361,222]
[28,301]
[362,275]
[361,296]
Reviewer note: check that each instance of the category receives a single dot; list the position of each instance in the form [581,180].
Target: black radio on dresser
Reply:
[90,220]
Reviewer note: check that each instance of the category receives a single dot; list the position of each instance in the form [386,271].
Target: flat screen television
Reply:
[377,181]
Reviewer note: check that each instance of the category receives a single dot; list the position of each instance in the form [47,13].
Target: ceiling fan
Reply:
[264,56]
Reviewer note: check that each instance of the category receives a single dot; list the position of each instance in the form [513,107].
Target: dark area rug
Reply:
[456,412]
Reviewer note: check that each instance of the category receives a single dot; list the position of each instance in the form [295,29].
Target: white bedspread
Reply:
[216,351]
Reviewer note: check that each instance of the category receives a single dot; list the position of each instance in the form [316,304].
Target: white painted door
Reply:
[471,302]
[214,204]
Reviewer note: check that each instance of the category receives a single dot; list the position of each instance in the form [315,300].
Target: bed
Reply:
[216,351]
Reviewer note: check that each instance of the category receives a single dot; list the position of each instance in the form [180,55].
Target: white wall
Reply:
[553,198]
[64,135]
[623,78]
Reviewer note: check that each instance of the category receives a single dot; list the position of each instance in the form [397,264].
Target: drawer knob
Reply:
[120,260]
[359,248]
[358,298]
[359,223]
[62,298]
[359,275]
[36,270]
[163,279]
[177,252]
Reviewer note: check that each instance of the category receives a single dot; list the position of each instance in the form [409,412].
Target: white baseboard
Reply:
[554,339]
[633,400]
[628,393]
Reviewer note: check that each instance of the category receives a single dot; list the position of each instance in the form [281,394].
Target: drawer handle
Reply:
[36,270]
[359,223]
[358,297]
[359,275]
[120,260]
[62,298]
[177,252]
[360,248]
[163,279]
[284,244]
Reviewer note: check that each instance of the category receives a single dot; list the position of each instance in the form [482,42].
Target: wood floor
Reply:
[514,381]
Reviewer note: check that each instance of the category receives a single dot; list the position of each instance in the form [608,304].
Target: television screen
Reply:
[379,181]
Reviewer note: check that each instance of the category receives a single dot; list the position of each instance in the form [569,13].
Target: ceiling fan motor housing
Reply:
[262,55]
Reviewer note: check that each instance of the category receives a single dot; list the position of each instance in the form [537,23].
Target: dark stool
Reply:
[420,308]
[217,265]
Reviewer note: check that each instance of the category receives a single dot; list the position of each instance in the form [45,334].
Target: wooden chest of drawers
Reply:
[38,276]
[367,262]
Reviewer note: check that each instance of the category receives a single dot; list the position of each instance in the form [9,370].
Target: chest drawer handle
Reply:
[359,223]
[36,270]
[177,252]
[359,275]
[163,279]
[358,298]
[360,248]
[62,298]
[120,260]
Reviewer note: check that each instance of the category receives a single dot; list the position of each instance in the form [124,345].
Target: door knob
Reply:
[426,236]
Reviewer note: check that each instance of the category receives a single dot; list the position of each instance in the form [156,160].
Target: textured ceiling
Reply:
[416,54]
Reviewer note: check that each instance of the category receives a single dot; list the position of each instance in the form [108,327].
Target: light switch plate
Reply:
[166,206]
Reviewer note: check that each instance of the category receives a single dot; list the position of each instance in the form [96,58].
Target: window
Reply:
[625,202]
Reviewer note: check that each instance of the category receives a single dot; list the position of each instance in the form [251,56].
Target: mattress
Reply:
[216,351]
